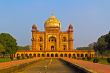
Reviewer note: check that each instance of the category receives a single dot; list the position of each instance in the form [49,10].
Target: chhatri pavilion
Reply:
[53,43]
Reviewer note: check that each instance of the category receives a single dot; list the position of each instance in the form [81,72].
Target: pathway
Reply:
[4,65]
[47,66]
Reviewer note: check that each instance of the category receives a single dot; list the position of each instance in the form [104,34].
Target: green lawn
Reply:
[100,60]
[103,61]
[5,59]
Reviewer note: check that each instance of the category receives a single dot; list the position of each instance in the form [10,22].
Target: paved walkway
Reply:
[94,67]
[47,66]
[4,65]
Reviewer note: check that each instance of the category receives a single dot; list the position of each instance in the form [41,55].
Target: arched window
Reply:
[65,55]
[64,47]
[22,54]
[48,55]
[82,55]
[41,46]
[34,55]
[52,55]
[40,39]
[52,48]
[43,55]
[18,54]
[30,55]
[64,39]
[38,55]
[52,39]
[26,55]
[56,55]
[69,55]
[61,55]
[33,39]
[86,55]
[74,55]
[78,55]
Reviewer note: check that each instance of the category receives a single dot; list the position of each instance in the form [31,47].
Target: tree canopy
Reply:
[2,48]
[27,47]
[7,43]
[103,44]
[89,47]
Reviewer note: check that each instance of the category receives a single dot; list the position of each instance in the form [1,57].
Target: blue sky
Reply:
[90,18]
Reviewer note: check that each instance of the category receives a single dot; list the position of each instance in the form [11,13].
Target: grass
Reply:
[100,60]
[103,61]
[8,59]
[5,59]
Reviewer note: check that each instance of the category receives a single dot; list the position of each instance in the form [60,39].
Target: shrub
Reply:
[5,59]
[74,57]
[95,60]
[18,57]
[88,58]
[108,60]
[83,58]
[30,56]
[27,57]
[23,57]
[11,58]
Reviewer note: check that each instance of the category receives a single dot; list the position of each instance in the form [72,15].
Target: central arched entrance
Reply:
[52,47]
[52,43]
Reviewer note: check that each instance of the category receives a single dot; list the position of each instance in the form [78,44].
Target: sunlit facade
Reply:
[54,43]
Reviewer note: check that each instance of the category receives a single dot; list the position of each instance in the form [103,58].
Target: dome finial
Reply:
[52,14]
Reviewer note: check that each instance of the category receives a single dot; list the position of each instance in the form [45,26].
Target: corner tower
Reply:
[70,38]
[34,30]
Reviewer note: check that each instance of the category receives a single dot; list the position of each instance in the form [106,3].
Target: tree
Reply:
[82,48]
[103,44]
[91,45]
[20,48]
[2,48]
[8,42]
[107,39]
[27,47]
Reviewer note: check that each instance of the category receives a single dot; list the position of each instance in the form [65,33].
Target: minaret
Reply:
[70,38]
[34,30]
